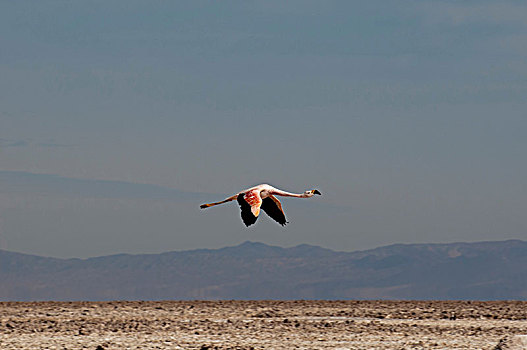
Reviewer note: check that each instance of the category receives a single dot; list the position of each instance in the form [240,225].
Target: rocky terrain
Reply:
[260,324]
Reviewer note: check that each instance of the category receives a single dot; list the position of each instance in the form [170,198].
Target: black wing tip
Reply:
[272,209]
[248,219]
[247,216]
[249,222]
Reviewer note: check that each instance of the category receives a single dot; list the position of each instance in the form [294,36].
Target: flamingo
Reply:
[262,196]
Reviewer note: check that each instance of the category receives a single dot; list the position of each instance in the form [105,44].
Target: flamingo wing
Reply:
[272,207]
[250,203]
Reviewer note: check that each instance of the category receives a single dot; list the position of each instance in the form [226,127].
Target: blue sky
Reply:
[409,116]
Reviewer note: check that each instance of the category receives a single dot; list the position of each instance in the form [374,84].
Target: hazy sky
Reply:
[409,116]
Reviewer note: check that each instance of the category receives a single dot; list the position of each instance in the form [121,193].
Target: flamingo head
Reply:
[311,193]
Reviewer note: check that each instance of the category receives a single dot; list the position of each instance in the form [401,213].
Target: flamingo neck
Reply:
[289,194]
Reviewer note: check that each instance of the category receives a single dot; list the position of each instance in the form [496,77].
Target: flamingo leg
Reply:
[203,206]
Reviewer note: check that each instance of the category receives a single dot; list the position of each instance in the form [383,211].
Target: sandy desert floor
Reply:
[259,324]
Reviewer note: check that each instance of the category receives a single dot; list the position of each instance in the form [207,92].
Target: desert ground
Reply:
[260,324]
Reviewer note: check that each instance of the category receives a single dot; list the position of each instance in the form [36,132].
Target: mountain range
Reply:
[477,271]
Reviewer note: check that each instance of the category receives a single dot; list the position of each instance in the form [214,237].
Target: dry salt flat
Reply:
[261,325]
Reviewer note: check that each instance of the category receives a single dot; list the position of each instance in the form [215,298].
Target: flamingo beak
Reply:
[317,192]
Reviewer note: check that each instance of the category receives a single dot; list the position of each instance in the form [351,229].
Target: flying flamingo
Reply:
[262,196]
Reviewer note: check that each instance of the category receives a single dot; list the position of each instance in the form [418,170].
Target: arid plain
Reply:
[260,324]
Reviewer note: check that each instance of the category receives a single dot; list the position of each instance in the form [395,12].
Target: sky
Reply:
[409,116]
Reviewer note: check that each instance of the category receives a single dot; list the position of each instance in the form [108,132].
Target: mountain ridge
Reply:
[302,245]
[253,270]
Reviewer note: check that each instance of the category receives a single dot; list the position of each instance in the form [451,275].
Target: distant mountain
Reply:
[483,270]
